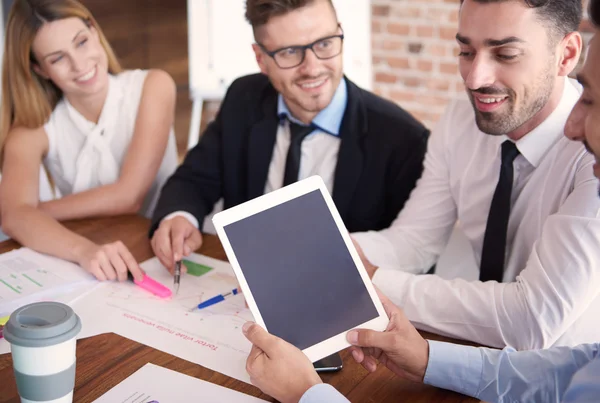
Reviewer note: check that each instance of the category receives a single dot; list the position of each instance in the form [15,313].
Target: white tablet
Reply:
[298,269]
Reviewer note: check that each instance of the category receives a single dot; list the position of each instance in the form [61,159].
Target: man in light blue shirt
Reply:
[559,374]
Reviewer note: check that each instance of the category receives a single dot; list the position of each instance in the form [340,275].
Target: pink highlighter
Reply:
[151,285]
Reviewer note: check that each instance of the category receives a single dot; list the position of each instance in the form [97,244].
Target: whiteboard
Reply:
[220,44]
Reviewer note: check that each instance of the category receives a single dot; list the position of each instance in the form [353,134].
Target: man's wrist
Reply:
[371,269]
[454,367]
[424,362]
[305,390]
[188,216]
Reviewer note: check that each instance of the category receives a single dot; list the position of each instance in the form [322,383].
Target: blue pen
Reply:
[218,298]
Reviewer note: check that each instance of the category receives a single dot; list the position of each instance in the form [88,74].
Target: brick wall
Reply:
[415,54]
[414,50]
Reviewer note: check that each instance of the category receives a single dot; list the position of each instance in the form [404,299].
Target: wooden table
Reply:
[105,360]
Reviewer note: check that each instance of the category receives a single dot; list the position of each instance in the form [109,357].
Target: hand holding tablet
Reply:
[298,268]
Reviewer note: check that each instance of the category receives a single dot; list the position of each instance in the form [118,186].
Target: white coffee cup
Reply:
[42,339]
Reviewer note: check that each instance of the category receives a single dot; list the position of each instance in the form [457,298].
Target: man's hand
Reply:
[400,348]
[370,267]
[174,239]
[276,367]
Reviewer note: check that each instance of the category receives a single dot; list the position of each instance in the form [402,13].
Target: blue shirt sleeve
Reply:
[323,393]
[506,375]
[585,385]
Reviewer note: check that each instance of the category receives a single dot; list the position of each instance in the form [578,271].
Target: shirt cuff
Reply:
[391,283]
[185,215]
[321,393]
[377,249]
[454,367]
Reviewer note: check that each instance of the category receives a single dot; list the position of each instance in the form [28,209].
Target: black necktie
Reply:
[292,162]
[494,241]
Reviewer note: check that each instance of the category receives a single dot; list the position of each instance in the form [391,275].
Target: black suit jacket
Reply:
[380,157]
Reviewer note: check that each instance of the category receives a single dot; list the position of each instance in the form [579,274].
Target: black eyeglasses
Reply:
[293,56]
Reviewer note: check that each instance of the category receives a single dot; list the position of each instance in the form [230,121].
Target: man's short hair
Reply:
[561,16]
[259,12]
[595,12]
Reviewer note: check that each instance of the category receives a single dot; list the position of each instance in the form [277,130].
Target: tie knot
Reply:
[509,152]
[299,132]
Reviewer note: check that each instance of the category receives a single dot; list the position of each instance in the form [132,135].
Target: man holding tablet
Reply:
[565,374]
[300,117]
[523,194]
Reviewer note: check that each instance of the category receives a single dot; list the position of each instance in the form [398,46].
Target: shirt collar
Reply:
[115,93]
[538,142]
[329,119]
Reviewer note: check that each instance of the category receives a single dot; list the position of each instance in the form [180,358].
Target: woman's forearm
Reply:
[35,229]
[106,200]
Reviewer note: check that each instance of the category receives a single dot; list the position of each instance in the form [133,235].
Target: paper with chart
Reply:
[154,384]
[27,276]
[211,337]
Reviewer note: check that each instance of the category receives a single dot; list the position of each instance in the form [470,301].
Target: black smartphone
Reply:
[331,363]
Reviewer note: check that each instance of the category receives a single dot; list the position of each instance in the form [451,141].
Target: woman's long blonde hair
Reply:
[27,98]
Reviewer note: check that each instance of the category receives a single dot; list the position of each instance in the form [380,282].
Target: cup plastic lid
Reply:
[42,324]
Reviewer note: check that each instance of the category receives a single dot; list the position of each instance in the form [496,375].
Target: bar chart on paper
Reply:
[15,282]
[26,275]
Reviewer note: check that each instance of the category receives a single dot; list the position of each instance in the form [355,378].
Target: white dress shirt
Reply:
[551,288]
[318,156]
[318,151]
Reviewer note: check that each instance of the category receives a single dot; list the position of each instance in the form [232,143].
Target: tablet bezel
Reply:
[270,200]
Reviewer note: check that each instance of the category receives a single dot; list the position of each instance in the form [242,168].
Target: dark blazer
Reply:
[380,158]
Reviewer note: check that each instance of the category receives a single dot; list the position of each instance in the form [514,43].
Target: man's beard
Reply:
[596,157]
[497,123]
[589,149]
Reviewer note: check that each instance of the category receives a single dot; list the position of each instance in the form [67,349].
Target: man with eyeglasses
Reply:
[300,117]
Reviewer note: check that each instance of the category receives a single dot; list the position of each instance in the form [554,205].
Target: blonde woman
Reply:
[104,134]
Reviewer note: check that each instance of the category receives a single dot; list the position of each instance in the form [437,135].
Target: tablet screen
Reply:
[300,272]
